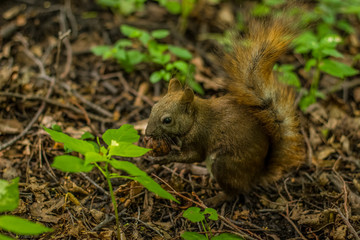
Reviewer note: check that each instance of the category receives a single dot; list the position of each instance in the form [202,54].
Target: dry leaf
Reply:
[10,126]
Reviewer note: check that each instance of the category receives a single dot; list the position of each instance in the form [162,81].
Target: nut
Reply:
[159,146]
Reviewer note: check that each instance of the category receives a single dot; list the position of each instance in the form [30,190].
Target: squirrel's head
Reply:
[173,115]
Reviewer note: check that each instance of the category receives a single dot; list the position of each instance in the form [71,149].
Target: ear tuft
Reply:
[174,85]
[188,96]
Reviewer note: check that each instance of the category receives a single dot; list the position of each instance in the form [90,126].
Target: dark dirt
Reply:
[318,201]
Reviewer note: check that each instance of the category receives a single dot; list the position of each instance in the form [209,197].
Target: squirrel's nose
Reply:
[150,129]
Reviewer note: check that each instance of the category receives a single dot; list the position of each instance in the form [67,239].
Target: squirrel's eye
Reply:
[167,120]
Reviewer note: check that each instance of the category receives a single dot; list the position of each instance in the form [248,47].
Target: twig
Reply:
[104,223]
[81,98]
[144,223]
[72,19]
[66,43]
[346,221]
[344,186]
[200,204]
[345,84]
[294,226]
[127,86]
[43,104]
[87,119]
[56,103]
[95,184]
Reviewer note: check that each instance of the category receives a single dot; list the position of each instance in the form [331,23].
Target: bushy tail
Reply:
[251,81]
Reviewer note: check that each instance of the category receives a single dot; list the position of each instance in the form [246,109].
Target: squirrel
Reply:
[248,137]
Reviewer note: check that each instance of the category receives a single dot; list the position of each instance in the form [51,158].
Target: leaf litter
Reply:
[318,201]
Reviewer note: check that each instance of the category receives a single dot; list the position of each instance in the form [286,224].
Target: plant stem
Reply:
[208,229]
[316,79]
[202,223]
[119,233]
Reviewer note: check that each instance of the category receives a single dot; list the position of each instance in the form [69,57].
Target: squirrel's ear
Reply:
[188,96]
[174,85]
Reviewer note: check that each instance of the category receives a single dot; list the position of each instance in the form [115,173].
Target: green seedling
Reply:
[119,142]
[322,54]
[287,75]
[9,201]
[127,7]
[265,7]
[149,50]
[195,215]
[318,46]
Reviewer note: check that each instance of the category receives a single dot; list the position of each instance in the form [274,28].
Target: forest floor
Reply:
[320,200]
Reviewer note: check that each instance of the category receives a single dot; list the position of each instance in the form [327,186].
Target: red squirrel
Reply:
[247,137]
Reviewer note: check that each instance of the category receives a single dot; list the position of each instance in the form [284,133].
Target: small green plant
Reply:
[287,75]
[127,7]
[327,12]
[321,51]
[151,51]
[119,143]
[195,215]
[9,200]
[319,45]
[265,7]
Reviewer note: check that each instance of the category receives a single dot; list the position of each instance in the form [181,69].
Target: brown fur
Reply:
[250,136]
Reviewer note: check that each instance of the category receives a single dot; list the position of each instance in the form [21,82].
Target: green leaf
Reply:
[123,43]
[56,128]
[144,38]
[134,57]
[167,76]
[130,31]
[173,7]
[160,33]
[124,149]
[195,86]
[69,142]
[142,178]
[67,163]
[193,214]
[337,69]
[287,75]
[156,49]
[161,59]
[309,64]
[260,10]
[306,42]
[22,226]
[331,52]
[9,195]
[330,41]
[306,101]
[180,52]
[87,135]
[92,157]
[100,50]
[154,187]
[156,76]
[3,237]
[213,214]
[182,66]
[274,2]
[128,167]
[193,236]
[126,133]
[345,26]
[227,236]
